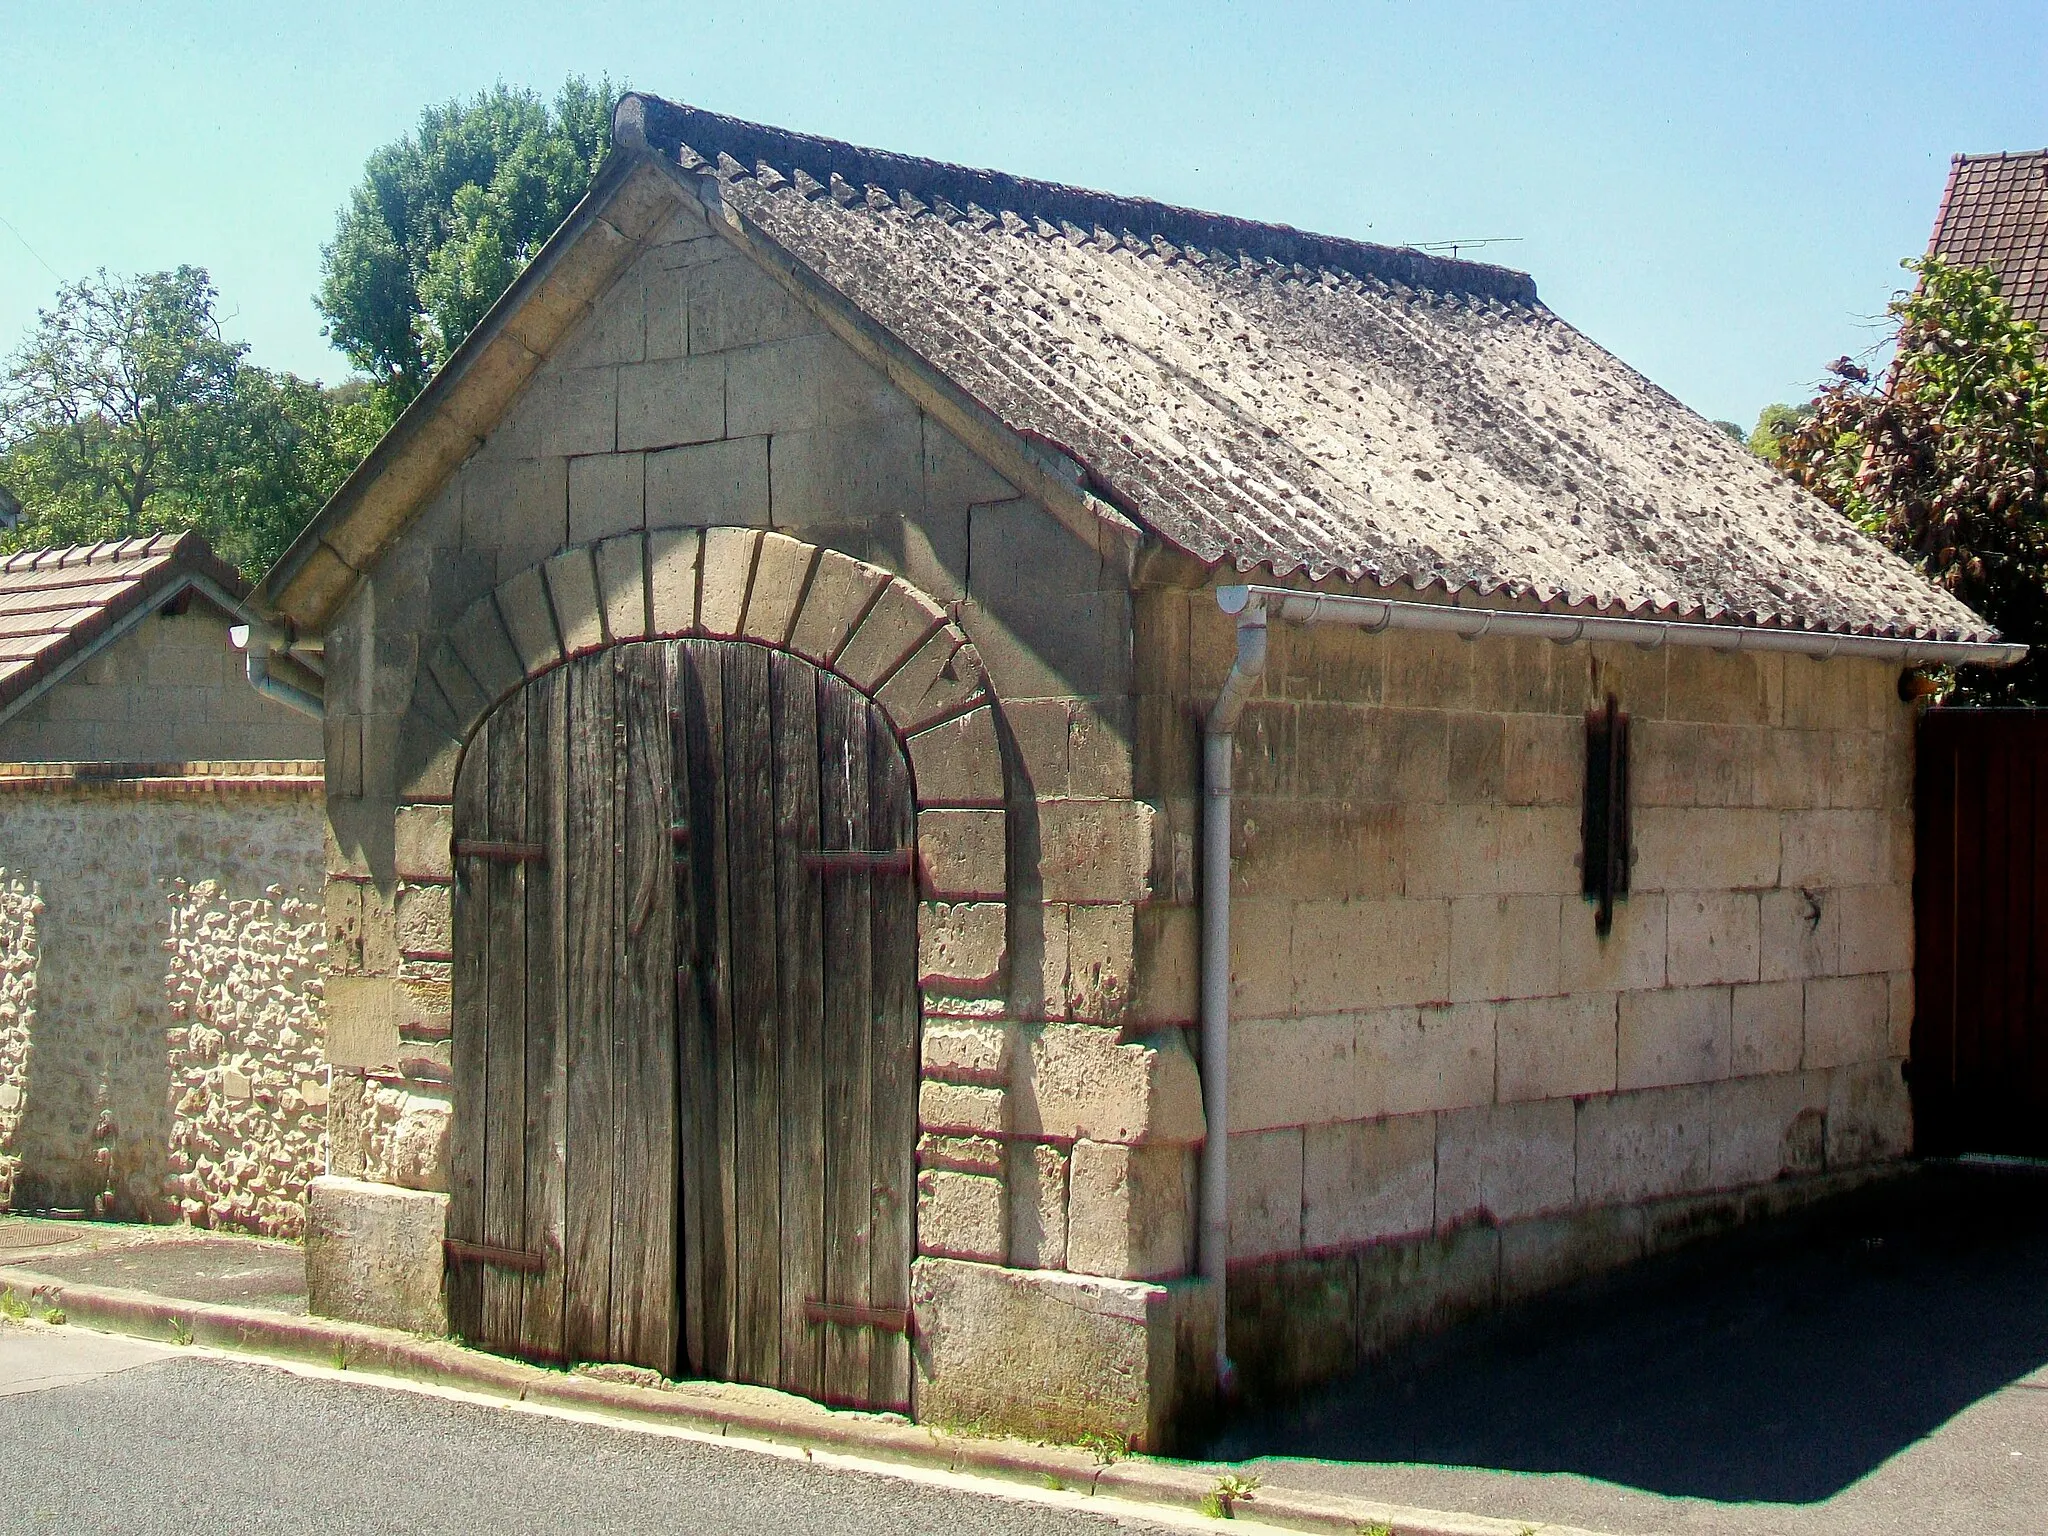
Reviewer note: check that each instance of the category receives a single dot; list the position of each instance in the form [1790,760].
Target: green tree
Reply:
[126,412]
[445,218]
[1945,459]
[1773,422]
[98,407]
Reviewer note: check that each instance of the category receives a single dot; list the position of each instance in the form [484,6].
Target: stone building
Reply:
[160,905]
[871,544]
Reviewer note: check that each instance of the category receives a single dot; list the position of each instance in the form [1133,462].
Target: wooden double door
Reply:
[685,1032]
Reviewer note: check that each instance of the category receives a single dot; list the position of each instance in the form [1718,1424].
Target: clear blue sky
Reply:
[1718,193]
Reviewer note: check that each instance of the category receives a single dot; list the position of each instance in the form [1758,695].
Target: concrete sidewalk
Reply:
[179,1262]
[166,1285]
[1879,1367]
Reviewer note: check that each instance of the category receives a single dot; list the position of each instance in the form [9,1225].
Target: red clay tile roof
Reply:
[56,604]
[1994,213]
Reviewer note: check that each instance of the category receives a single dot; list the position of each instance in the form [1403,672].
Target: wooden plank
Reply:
[547,746]
[695,1115]
[467,1045]
[750,877]
[504,912]
[800,1011]
[892,1066]
[591,872]
[644,1268]
[1934,907]
[710,1254]
[843,758]
[2010,977]
[2034,1054]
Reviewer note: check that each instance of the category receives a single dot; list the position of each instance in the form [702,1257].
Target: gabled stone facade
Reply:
[1448,1091]
[703,458]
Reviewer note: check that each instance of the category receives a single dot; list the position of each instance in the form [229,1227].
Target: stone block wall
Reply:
[701,456]
[161,1037]
[169,690]
[1427,1032]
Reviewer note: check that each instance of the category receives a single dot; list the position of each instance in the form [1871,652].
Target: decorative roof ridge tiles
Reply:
[727,147]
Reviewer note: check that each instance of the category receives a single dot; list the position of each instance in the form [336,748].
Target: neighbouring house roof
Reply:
[1248,393]
[1994,213]
[59,606]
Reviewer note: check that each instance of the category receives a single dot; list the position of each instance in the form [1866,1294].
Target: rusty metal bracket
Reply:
[844,1314]
[459,1252]
[500,852]
[825,861]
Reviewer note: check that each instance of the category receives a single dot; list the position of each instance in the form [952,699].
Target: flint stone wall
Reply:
[161,1031]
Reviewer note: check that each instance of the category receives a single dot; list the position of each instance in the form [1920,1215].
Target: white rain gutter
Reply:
[1253,607]
[259,643]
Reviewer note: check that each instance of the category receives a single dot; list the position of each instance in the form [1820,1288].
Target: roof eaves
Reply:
[178,561]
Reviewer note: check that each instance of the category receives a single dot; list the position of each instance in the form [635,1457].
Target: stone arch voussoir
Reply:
[886,638]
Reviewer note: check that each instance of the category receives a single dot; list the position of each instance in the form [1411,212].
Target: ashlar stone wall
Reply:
[169,690]
[161,948]
[839,519]
[1428,1034]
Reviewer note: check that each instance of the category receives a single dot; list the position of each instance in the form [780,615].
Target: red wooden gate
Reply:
[1979,1067]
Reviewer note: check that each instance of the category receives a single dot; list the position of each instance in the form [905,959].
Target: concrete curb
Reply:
[713,1408]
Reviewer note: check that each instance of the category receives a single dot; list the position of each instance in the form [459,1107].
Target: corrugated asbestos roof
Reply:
[1994,213]
[56,604]
[1310,404]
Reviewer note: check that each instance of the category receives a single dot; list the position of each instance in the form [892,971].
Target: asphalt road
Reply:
[99,1434]
[1879,1369]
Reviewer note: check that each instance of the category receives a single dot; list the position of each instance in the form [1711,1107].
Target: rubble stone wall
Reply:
[161,978]
[20,914]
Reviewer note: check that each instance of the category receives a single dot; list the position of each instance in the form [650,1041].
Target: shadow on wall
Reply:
[1778,1367]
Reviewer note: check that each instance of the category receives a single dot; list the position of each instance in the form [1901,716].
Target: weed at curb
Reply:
[181,1332]
[338,1357]
[1220,1502]
[53,1316]
[1378,1528]
[1107,1447]
[1052,1482]
[12,1305]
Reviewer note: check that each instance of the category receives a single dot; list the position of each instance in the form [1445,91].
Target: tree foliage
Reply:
[445,218]
[1946,459]
[1773,422]
[126,412]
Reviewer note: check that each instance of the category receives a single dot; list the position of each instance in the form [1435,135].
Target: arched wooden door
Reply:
[686,1024]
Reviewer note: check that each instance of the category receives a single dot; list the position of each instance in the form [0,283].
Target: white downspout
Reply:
[259,643]
[1219,740]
